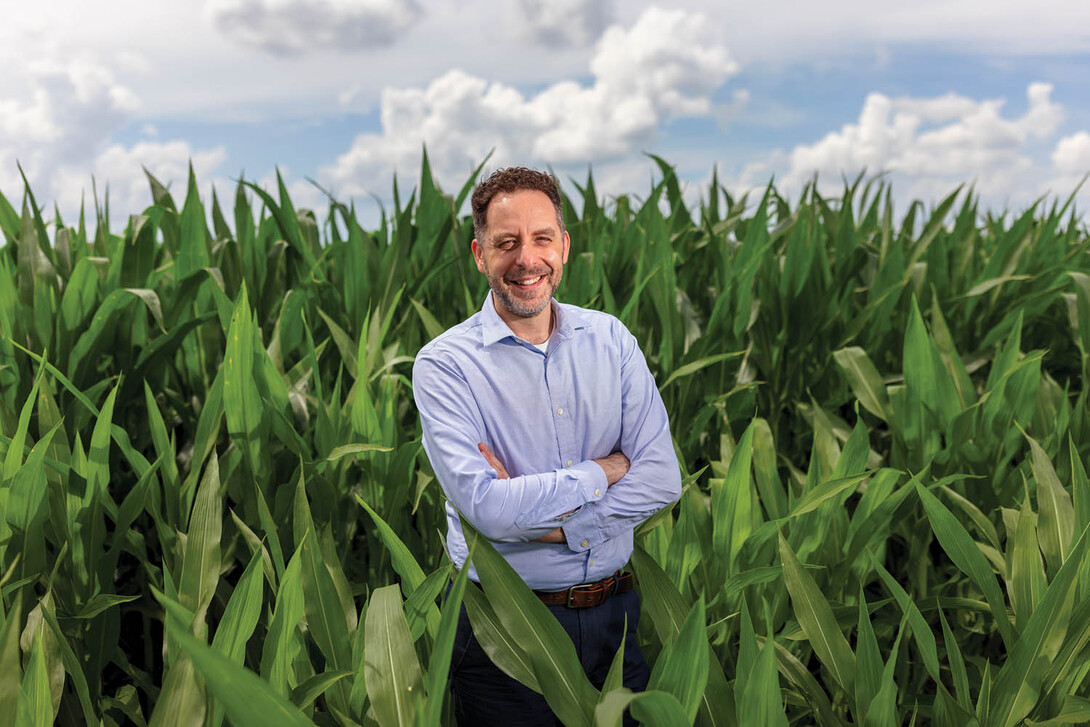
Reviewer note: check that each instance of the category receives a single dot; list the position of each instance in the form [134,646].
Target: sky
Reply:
[341,95]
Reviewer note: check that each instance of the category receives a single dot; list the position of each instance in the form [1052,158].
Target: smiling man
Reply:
[547,432]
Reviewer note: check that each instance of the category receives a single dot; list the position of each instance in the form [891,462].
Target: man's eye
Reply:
[507,244]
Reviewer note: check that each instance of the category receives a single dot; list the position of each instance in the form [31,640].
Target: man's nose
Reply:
[528,256]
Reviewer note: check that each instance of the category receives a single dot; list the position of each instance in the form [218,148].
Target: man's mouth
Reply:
[527,283]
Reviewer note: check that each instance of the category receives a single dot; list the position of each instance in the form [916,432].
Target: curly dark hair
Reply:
[513,179]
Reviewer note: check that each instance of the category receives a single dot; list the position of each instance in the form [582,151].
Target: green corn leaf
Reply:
[772,494]
[392,670]
[883,709]
[957,665]
[504,651]
[242,402]
[694,366]
[193,243]
[247,699]
[615,675]
[435,681]
[1075,710]
[552,655]
[331,625]
[182,700]
[403,561]
[201,565]
[1018,684]
[101,602]
[256,546]
[756,682]
[661,601]
[345,346]
[864,380]
[347,449]
[797,673]
[816,618]
[72,666]
[35,708]
[733,506]
[1080,489]
[658,708]
[921,631]
[1057,514]
[282,642]
[420,602]
[611,708]
[240,617]
[925,375]
[13,459]
[868,660]
[680,669]
[11,671]
[303,696]
[432,327]
[815,496]
[960,547]
[1027,572]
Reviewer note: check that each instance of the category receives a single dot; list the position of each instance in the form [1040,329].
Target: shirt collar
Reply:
[493,328]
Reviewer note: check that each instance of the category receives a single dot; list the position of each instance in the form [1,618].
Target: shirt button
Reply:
[568,463]
[597,493]
[584,544]
[560,410]
[592,561]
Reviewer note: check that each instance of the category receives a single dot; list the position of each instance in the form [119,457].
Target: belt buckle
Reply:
[588,587]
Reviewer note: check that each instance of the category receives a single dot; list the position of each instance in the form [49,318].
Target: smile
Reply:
[527,283]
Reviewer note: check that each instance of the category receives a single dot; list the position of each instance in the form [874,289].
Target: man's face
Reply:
[523,251]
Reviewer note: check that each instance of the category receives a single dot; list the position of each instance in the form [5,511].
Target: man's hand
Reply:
[615,466]
[493,461]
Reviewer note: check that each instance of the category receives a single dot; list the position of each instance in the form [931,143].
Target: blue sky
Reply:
[346,91]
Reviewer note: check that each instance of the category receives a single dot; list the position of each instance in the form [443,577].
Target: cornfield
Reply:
[216,508]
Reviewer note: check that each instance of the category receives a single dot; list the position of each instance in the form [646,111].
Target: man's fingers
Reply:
[493,460]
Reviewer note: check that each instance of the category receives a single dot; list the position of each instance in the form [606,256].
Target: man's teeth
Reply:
[529,281]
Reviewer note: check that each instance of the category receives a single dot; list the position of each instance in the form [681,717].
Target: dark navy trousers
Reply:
[484,695]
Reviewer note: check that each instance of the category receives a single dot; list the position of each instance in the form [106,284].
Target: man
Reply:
[546,431]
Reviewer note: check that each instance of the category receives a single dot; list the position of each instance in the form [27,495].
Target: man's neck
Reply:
[536,329]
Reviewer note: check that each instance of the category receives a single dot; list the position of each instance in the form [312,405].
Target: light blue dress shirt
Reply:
[546,416]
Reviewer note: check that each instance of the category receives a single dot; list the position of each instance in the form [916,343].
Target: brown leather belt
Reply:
[588,595]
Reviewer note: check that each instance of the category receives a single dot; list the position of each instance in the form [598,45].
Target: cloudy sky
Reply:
[345,92]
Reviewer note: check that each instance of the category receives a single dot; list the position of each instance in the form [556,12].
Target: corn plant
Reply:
[216,508]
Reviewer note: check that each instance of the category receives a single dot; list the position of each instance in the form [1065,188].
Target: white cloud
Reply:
[928,146]
[58,127]
[296,26]
[938,142]
[1072,154]
[122,168]
[662,68]
[1070,165]
[562,22]
[67,108]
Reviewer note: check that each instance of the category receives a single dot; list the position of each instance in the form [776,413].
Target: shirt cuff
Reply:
[581,530]
[579,484]
[592,479]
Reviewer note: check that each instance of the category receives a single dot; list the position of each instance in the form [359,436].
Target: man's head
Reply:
[520,243]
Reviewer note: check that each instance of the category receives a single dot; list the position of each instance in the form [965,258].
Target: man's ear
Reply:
[478,255]
[567,244]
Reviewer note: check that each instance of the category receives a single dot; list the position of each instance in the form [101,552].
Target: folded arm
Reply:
[502,508]
[615,466]
[653,480]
